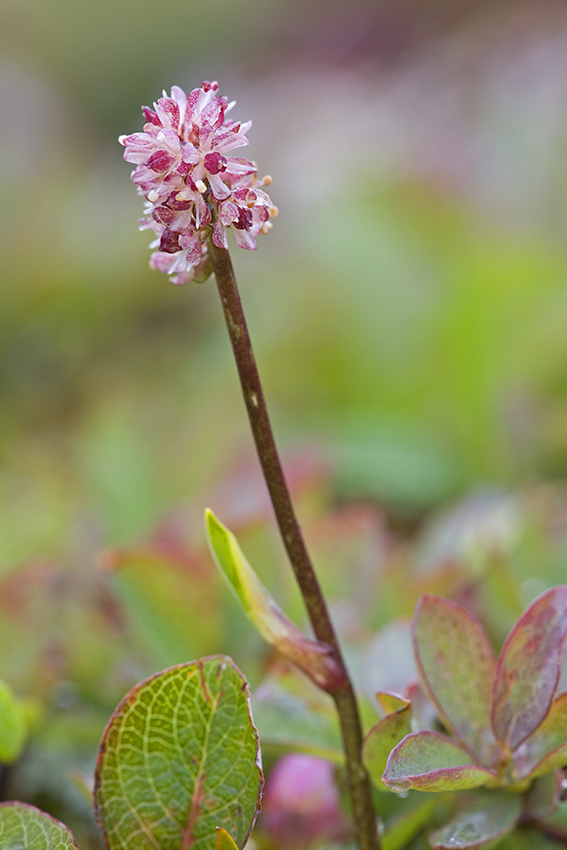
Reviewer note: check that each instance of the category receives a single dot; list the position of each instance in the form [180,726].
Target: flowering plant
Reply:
[179,763]
[192,188]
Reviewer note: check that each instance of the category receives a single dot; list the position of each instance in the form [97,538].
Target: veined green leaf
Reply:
[179,758]
[23,827]
[314,658]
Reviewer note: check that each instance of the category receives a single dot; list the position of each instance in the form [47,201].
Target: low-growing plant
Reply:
[507,722]
[179,762]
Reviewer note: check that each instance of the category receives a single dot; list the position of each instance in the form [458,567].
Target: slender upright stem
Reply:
[343,695]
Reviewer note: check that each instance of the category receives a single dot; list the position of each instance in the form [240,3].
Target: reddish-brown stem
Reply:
[343,693]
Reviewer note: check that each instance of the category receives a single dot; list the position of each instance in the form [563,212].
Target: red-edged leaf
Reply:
[23,827]
[456,663]
[528,668]
[383,737]
[428,761]
[546,749]
[180,757]
[483,826]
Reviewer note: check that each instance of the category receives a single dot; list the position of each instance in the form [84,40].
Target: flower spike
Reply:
[194,189]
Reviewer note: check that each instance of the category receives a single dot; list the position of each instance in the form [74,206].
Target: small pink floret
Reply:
[194,189]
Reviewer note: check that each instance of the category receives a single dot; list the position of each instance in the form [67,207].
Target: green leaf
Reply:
[542,798]
[528,668]
[428,761]
[287,720]
[155,586]
[556,824]
[224,840]
[384,736]
[483,826]
[13,725]
[23,827]
[390,702]
[180,757]
[314,658]
[546,749]
[400,831]
[529,838]
[456,664]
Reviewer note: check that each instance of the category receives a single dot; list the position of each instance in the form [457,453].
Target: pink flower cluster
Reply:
[192,188]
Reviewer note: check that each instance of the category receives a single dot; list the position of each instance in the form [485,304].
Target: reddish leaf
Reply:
[483,826]
[528,668]
[428,761]
[456,664]
[546,749]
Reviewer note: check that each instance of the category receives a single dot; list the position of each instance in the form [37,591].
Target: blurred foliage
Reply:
[408,312]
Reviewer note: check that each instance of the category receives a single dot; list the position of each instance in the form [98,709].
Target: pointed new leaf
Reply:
[483,826]
[382,739]
[528,668]
[23,827]
[456,663]
[13,725]
[428,761]
[180,757]
[546,749]
[314,658]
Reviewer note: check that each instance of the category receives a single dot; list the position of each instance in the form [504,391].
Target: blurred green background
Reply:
[408,309]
